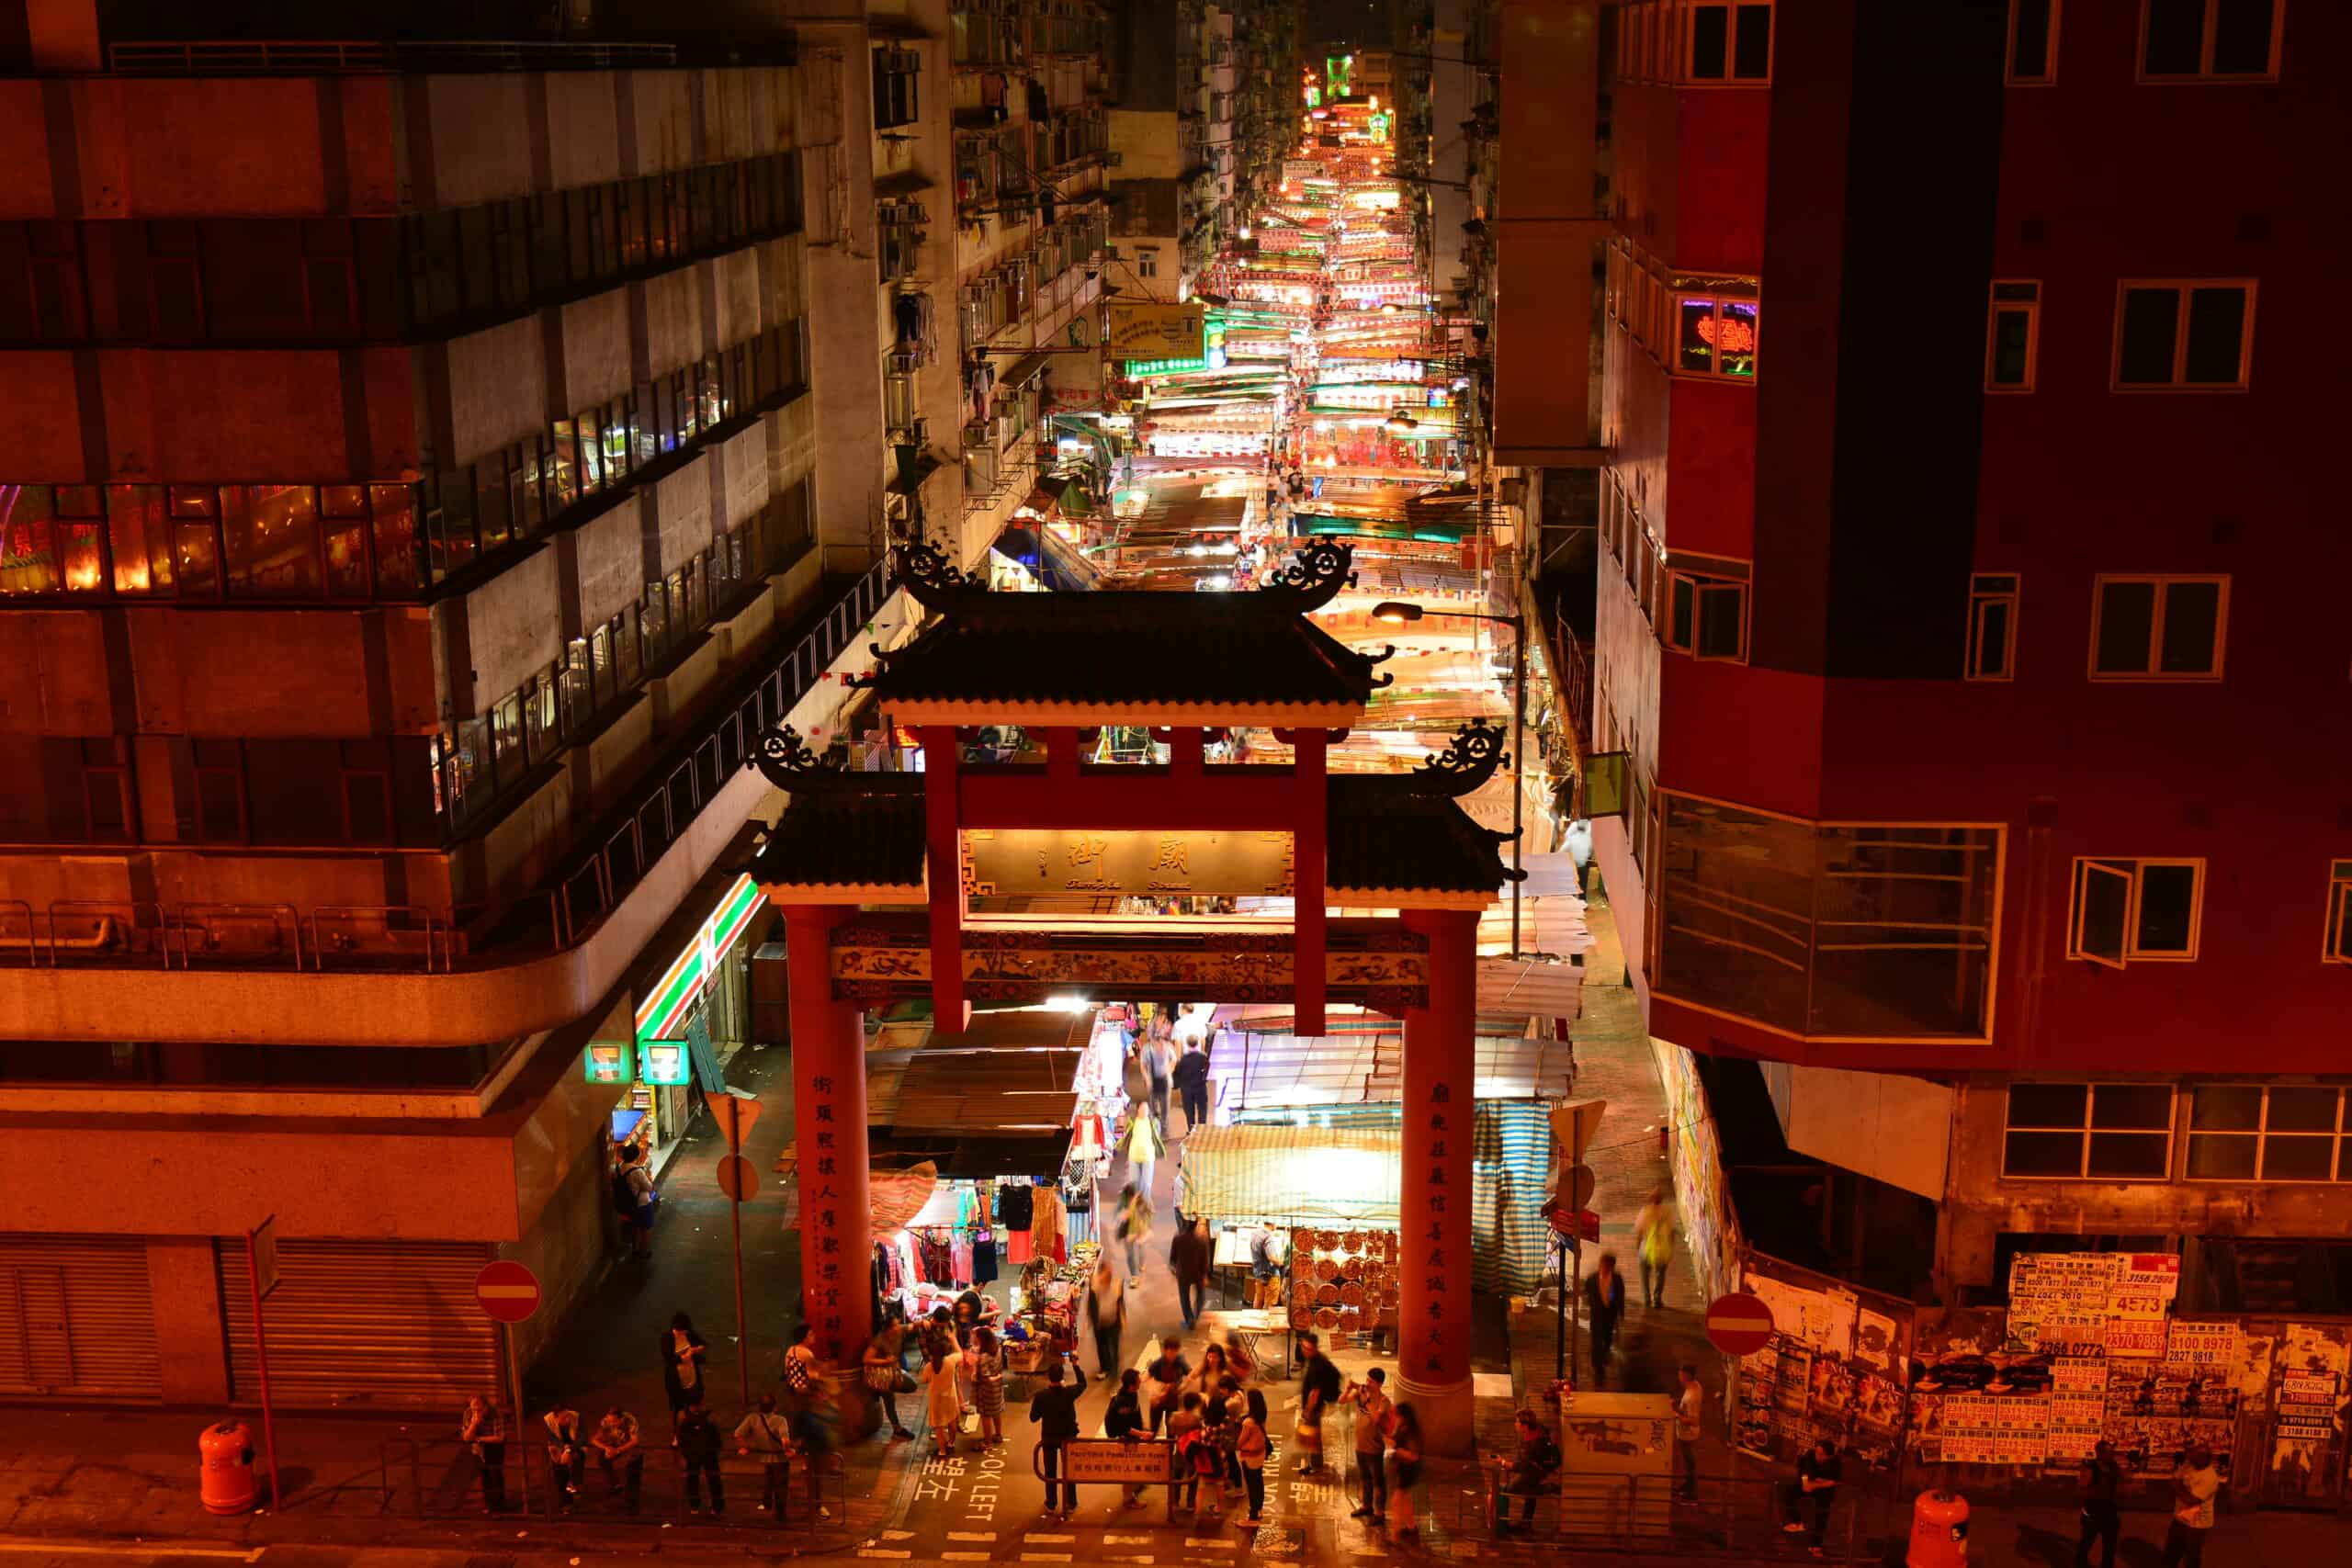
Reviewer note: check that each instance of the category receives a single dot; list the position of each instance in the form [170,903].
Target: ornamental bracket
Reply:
[1474,756]
[929,580]
[787,761]
[1313,577]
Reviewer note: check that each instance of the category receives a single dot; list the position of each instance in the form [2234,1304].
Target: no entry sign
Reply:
[507,1291]
[1738,1325]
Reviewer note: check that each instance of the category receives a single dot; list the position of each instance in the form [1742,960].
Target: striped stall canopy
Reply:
[1295,1175]
[1511,1176]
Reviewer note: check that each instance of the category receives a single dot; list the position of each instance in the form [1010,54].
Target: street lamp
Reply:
[1402,423]
[1396,612]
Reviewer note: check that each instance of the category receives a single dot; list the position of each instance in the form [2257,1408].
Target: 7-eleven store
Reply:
[696,1015]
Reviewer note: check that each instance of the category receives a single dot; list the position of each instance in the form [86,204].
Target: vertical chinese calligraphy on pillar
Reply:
[1433,1324]
[829,1128]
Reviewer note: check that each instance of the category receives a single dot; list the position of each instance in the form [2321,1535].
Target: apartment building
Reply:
[429,470]
[1978,690]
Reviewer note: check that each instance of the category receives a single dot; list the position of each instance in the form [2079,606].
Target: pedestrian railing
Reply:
[440,1478]
[1637,1513]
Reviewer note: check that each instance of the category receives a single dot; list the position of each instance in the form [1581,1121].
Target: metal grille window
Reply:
[2106,1131]
[2274,1133]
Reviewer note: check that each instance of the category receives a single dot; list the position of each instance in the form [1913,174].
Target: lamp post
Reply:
[1397,614]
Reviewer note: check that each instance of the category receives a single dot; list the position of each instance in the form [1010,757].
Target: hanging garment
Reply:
[1045,1232]
[1018,1247]
[984,1258]
[1017,1205]
[959,1256]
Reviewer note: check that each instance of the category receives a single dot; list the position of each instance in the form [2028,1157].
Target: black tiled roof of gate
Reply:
[859,830]
[1387,830]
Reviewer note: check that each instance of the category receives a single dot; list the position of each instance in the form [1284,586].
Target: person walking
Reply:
[1132,1223]
[1188,1258]
[2195,1483]
[697,1443]
[1807,1500]
[882,1370]
[1604,1300]
[1191,1076]
[1369,1398]
[619,1443]
[1690,1402]
[1654,1244]
[1404,1471]
[564,1453]
[1159,1056]
[1165,1379]
[1106,1315]
[988,1387]
[1144,1147]
[1318,1390]
[1053,1409]
[683,1354]
[483,1429]
[943,1400]
[762,1435]
[2096,1483]
[1124,1421]
[1251,1446]
[1531,1468]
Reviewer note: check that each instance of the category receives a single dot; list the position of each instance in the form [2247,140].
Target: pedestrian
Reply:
[882,1372]
[634,1195]
[1689,1401]
[696,1441]
[1106,1314]
[1370,1397]
[810,1411]
[2195,1483]
[1654,1244]
[1318,1390]
[1208,1379]
[564,1453]
[987,1386]
[1134,1076]
[483,1428]
[1404,1469]
[1604,1300]
[1269,1251]
[1133,1222]
[2098,1480]
[1054,1411]
[1165,1379]
[1532,1468]
[1191,1076]
[1251,1446]
[1159,1058]
[763,1435]
[1124,1421]
[800,1372]
[1188,1258]
[683,1354]
[1144,1147]
[1938,1526]
[943,1401]
[620,1454]
[1806,1501]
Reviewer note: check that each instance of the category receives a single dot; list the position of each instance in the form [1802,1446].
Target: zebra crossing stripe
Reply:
[1044,1557]
[971,1535]
[964,1557]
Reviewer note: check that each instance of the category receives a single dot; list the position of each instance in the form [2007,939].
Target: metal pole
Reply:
[1576,1335]
[1518,768]
[742,1329]
[1560,1336]
[261,1365]
[514,1396]
[1730,1444]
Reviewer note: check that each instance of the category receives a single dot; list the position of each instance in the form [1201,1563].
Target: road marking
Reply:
[1034,1536]
[879,1552]
[964,1557]
[141,1549]
[1044,1557]
[1128,1540]
[971,1535]
[1225,1543]
[897,1535]
[1146,1561]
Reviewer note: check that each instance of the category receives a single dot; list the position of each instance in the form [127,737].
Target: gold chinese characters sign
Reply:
[1012,862]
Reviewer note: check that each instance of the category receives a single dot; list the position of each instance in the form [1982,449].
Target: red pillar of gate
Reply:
[1308,880]
[944,866]
[1433,1328]
[828,1137]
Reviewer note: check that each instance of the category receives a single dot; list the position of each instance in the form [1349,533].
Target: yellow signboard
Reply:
[1001,862]
[1148,330]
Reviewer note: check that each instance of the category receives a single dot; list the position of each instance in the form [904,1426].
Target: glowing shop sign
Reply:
[662,1015]
[1020,861]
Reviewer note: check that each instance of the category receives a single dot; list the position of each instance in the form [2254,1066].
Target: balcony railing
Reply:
[333,56]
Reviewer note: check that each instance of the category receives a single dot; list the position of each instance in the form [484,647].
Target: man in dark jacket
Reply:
[697,1443]
[1319,1391]
[1053,1409]
[1191,1076]
[1188,1255]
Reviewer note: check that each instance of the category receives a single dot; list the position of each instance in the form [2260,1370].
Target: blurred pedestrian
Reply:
[1133,1222]
[1191,1076]
[1318,1390]
[1123,1420]
[1251,1446]
[942,1399]
[483,1429]
[1187,1259]
[763,1435]
[882,1372]
[1604,1300]
[1690,1402]
[2195,1483]
[1654,1244]
[1106,1314]
[1164,1382]
[565,1452]
[2096,1482]
[1404,1469]
[1144,1147]
[987,1386]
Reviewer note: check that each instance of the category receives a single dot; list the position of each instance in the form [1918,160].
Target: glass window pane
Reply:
[2042,1154]
[1683,613]
[2029,61]
[196,557]
[2009,337]
[1696,335]
[1736,338]
[394,507]
[2227,1108]
[2309,1109]
[2216,1157]
[494,501]
[2298,1159]
[2192,616]
[2175,37]
[1709,36]
[140,538]
[2129,1154]
[2216,332]
[2127,623]
[27,541]
[2103,902]
[1751,53]
[84,561]
[2151,323]
[2131,1105]
[2242,38]
[2167,910]
[270,536]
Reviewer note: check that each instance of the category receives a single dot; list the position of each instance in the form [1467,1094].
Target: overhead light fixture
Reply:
[1395,614]
[1401,425]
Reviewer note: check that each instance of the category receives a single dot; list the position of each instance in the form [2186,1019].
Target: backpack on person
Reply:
[623,1199]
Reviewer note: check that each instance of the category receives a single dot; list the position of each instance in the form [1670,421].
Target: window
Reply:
[41,282]
[1730,42]
[214,809]
[2135,912]
[1991,625]
[107,812]
[2338,946]
[2208,40]
[175,283]
[2158,628]
[2277,1133]
[1707,611]
[2194,333]
[2011,339]
[2033,42]
[1715,336]
[2100,1131]
[1147,264]
[896,81]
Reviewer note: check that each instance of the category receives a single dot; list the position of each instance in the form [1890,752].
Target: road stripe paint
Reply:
[1044,1557]
[881,1551]
[1146,1561]
[897,1535]
[1034,1536]
[1128,1540]
[971,1535]
[142,1549]
[964,1557]
[1224,1543]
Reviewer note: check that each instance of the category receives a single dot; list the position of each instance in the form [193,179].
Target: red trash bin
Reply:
[226,1468]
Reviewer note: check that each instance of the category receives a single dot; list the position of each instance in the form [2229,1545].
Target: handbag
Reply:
[1310,1434]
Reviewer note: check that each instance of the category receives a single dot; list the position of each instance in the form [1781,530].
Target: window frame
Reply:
[1678,578]
[2088,1129]
[1983,596]
[2163,584]
[2336,928]
[1995,308]
[1684,41]
[2181,287]
[2336,1138]
[2205,73]
[2136,869]
[1718,301]
[2048,76]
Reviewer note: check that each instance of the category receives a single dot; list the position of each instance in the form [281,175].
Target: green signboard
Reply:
[606,1062]
[663,1062]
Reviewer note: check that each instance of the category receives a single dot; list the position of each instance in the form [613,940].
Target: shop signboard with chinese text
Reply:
[1020,860]
[1148,330]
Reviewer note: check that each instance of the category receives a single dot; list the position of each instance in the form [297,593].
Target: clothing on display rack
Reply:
[984,1258]
[1015,1206]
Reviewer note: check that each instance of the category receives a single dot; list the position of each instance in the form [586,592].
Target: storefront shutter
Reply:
[363,1324]
[75,1318]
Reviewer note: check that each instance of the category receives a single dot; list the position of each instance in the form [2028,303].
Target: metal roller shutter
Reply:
[388,1324]
[76,1319]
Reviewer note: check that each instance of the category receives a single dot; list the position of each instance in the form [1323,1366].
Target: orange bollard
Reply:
[226,1468]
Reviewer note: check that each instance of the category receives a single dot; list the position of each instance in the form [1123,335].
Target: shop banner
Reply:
[1147,330]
